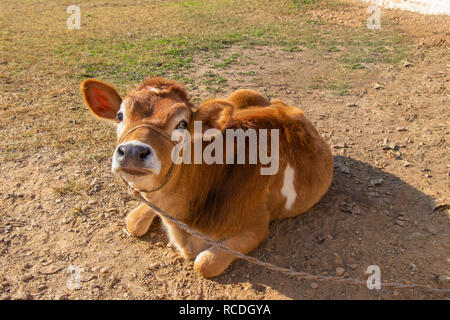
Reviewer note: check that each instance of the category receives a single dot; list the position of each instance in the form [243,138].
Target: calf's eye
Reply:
[119,116]
[182,125]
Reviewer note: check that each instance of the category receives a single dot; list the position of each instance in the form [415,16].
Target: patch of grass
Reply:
[228,61]
[333,49]
[212,78]
[293,49]
[368,48]
[70,188]
[338,88]
[214,82]
[248,73]
[213,89]
[122,44]
[302,3]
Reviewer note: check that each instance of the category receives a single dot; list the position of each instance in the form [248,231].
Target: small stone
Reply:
[42,287]
[345,207]
[414,267]
[104,270]
[113,281]
[26,277]
[443,278]
[352,104]
[320,239]
[339,145]
[417,236]
[47,263]
[50,269]
[58,200]
[342,167]
[407,64]
[375,182]
[378,86]
[155,265]
[96,286]
[400,129]
[92,202]
[23,296]
[401,223]
[314,285]
[340,271]
[388,145]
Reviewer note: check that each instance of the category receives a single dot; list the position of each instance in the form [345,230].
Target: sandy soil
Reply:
[388,204]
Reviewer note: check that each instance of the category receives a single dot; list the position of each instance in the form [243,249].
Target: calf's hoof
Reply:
[211,264]
[138,226]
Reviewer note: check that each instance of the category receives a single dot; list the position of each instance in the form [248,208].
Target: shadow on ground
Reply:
[368,217]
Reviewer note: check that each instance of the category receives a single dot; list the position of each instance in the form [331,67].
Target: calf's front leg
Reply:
[188,245]
[213,261]
[139,220]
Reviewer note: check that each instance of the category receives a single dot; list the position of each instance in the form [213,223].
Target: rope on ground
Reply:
[286,271]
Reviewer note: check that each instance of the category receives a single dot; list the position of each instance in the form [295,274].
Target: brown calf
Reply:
[231,203]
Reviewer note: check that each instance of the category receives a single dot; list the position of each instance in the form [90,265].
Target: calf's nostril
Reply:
[121,151]
[144,153]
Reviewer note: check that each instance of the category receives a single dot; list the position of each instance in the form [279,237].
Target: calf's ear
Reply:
[215,113]
[101,98]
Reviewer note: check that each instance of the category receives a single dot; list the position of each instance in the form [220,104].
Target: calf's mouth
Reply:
[135,171]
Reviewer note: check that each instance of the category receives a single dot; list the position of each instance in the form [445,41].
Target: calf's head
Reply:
[145,120]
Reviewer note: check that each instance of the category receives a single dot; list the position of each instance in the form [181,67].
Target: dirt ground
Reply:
[388,204]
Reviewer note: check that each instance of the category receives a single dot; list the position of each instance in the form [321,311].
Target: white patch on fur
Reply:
[153,89]
[288,189]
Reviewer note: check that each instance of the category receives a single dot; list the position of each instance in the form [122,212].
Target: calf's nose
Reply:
[133,152]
